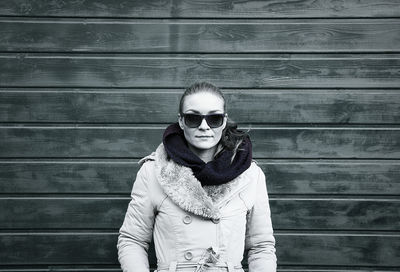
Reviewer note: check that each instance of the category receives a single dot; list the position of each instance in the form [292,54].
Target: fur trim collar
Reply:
[180,184]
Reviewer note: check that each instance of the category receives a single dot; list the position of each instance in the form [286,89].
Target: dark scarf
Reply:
[218,171]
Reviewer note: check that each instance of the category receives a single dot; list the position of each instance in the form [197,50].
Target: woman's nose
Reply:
[204,125]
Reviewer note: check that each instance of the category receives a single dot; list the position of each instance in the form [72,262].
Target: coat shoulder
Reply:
[255,170]
[151,157]
[147,172]
[253,175]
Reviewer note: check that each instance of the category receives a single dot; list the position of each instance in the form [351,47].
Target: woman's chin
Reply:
[203,145]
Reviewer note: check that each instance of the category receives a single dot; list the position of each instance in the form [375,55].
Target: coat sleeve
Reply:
[260,241]
[137,229]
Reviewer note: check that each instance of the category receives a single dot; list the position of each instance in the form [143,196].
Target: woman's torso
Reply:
[186,240]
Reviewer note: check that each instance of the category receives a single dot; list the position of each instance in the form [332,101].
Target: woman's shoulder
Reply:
[151,157]
[254,169]
[252,176]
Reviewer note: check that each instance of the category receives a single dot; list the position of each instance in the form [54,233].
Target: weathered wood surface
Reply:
[299,249]
[87,87]
[287,213]
[115,268]
[205,9]
[176,71]
[138,141]
[199,36]
[284,177]
[351,106]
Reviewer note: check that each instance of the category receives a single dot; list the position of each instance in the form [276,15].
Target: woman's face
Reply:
[202,137]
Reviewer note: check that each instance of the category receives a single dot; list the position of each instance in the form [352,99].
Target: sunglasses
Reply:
[214,120]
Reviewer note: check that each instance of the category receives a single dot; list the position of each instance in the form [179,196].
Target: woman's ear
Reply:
[180,121]
[225,121]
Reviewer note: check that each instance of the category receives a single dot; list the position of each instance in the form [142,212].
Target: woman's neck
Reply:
[205,155]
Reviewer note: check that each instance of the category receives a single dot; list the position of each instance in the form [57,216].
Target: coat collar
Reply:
[182,187]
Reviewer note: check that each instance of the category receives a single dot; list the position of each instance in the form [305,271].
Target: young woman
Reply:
[200,196]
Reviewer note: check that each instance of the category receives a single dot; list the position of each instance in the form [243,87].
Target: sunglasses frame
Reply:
[204,116]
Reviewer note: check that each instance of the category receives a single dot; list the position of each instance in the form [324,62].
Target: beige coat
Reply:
[206,229]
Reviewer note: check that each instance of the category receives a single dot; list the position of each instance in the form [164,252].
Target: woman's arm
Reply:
[260,241]
[137,229]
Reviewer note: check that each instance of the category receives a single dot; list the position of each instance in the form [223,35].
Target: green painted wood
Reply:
[200,36]
[104,268]
[136,141]
[63,268]
[161,105]
[287,213]
[59,248]
[335,214]
[177,71]
[205,9]
[332,178]
[63,213]
[284,177]
[54,177]
[336,250]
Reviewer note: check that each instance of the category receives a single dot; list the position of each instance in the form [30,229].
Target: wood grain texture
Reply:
[87,88]
[177,71]
[332,177]
[136,141]
[161,105]
[336,250]
[297,249]
[205,9]
[106,268]
[47,213]
[199,36]
[63,177]
[284,177]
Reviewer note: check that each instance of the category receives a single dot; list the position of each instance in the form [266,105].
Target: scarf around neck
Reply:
[218,171]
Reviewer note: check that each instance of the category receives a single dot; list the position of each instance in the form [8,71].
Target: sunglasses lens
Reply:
[215,120]
[193,120]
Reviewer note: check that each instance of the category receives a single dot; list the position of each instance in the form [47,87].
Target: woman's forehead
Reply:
[203,102]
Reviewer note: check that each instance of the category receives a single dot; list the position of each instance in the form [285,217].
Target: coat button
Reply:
[188,255]
[187,219]
[215,221]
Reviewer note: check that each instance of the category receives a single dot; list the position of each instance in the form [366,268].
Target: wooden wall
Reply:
[87,87]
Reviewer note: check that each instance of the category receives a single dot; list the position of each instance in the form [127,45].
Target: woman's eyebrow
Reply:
[195,111]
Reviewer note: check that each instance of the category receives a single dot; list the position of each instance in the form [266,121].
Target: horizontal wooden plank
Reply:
[116,268]
[176,71]
[203,9]
[338,250]
[199,36]
[286,177]
[299,249]
[54,177]
[138,141]
[287,213]
[161,105]
[330,178]
[64,248]
[63,213]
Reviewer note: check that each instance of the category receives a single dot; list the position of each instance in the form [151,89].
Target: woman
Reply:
[200,195]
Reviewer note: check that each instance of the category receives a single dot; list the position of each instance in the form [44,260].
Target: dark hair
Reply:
[231,136]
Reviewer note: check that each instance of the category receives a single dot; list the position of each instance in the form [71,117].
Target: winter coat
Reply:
[194,227]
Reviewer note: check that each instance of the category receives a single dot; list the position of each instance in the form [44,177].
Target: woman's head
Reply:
[206,99]
[202,115]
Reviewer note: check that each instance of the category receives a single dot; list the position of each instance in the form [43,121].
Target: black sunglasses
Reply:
[194,120]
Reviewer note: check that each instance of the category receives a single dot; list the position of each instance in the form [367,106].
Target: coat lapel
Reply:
[183,188]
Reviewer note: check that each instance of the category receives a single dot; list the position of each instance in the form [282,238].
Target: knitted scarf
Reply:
[218,171]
